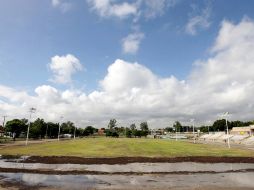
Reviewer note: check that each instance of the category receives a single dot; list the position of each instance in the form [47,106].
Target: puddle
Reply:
[226,180]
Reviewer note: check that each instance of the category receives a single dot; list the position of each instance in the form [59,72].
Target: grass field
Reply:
[108,147]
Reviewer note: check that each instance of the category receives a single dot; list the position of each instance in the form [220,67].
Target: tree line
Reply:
[218,125]
[132,131]
[41,129]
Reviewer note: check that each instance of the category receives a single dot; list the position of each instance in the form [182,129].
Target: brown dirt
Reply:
[126,160]
[87,172]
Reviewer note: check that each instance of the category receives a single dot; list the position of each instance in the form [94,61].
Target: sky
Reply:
[138,60]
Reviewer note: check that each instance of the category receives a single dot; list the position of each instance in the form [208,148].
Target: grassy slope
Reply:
[107,147]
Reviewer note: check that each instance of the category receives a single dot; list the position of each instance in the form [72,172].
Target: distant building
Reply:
[248,130]
[101,131]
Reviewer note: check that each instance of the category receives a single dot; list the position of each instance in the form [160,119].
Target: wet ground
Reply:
[168,173]
[180,182]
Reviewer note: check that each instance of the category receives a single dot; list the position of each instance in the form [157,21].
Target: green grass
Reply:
[108,147]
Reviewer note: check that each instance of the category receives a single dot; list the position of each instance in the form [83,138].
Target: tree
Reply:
[133,127]
[52,129]
[128,133]
[144,126]
[38,128]
[89,130]
[169,129]
[204,129]
[177,126]
[219,125]
[67,127]
[137,133]
[112,124]
[16,126]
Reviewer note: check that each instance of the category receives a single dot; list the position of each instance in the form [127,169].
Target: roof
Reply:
[242,129]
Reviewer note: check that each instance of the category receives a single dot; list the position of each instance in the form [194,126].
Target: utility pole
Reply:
[75,132]
[46,132]
[192,121]
[61,118]
[4,120]
[225,115]
[31,110]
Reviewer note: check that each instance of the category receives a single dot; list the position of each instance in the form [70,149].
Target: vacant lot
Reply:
[108,147]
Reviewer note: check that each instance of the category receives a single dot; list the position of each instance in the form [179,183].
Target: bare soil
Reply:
[127,160]
[87,172]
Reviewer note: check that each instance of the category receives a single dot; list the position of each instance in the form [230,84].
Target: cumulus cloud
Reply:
[63,67]
[200,21]
[108,8]
[62,5]
[152,9]
[131,92]
[130,44]
[124,9]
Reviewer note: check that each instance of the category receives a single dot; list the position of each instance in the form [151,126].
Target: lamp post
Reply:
[46,136]
[31,110]
[192,121]
[61,118]
[176,129]
[74,132]
[4,120]
[225,116]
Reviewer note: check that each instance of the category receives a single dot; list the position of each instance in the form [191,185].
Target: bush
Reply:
[111,134]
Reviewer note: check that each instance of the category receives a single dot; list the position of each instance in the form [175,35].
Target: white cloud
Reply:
[55,3]
[152,9]
[62,5]
[63,67]
[108,8]
[130,92]
[199,22]
[124,9]
[131,43]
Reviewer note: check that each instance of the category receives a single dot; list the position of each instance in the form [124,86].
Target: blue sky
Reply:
[32,32]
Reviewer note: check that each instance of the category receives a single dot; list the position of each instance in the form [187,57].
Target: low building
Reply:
[248,130]
[101,131]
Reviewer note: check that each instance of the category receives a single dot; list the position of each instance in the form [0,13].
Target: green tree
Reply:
[219,125]
[16,126]
[137,133]
[128,133]
[133,127]
[52,129]
[67,127]
[112,124]
[144,126]
[89,130]
[178,126]
[38,128]
[169,129]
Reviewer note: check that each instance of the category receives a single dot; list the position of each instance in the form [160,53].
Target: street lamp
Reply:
[61,118]
[192,121]
[74,132]
[176,130]
[31,110]
[225,116]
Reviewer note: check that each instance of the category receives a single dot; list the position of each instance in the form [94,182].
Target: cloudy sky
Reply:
[138,60]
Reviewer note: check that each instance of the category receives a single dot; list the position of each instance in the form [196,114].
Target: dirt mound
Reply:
[126,160]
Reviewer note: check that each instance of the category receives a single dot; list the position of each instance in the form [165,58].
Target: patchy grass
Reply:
[122,147]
